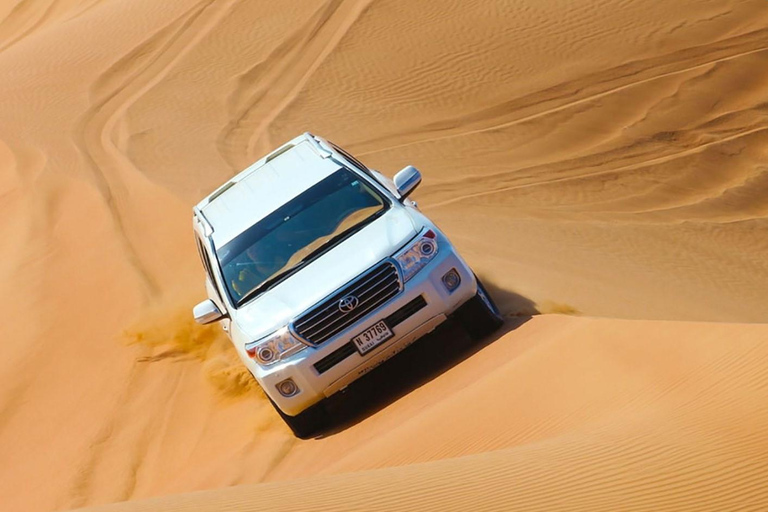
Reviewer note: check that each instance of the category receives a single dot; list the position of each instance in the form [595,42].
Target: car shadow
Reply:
[423,361]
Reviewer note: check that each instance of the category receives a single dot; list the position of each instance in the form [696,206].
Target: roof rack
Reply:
[278,152]
[216,193]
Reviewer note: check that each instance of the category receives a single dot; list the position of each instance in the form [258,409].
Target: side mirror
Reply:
[207,312]
[407,180]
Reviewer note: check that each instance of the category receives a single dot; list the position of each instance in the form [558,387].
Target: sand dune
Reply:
[590,420]
[602,163]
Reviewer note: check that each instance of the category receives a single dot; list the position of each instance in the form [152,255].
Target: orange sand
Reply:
[604,163]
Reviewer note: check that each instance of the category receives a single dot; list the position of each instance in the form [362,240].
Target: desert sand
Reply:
[602,164]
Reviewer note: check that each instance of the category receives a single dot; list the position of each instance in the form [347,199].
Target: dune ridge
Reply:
[601,164]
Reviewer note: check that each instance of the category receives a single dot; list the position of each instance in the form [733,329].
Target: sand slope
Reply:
[604,158]
[560,414]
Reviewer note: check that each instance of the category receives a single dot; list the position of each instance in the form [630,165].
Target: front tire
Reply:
[308,423]
[479,316]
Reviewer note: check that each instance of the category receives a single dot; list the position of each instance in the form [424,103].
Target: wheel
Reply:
[308,422]
[479,316]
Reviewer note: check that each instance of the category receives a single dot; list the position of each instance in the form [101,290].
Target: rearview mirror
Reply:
[207,312]
[407,180]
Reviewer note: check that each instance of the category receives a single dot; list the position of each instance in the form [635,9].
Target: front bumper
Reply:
[314,385]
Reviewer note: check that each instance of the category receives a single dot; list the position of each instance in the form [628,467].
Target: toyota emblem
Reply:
[348,303]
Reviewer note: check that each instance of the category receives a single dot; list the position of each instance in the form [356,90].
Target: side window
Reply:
[204,258]
[206,263]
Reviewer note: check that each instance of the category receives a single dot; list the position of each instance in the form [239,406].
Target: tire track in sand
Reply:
[86,8]
[19,15]
[577,92]
[635,165]
[267,88]
[116,89]
[37,13]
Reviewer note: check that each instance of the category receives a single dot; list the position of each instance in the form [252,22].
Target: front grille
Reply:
[372,289]
[346,350]
[405,312]
[335,357]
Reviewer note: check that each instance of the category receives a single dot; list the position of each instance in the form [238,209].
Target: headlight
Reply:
[274,347]
[414,257]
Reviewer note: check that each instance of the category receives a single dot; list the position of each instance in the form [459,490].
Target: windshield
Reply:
[298,232]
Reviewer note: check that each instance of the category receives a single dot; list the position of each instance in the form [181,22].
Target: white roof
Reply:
[263,187]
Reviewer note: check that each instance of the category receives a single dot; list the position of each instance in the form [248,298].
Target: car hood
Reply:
[277,307]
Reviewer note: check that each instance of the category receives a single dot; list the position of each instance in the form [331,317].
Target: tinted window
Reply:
[302,227]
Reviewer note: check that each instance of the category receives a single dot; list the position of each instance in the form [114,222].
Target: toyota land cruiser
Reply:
[320,269]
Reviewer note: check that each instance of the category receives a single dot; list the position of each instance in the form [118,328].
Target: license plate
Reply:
[372,336]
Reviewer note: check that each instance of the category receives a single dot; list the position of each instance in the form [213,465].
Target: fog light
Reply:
[287,388]
[451,280]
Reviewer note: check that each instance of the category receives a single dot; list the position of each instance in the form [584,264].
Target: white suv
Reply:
[320,269]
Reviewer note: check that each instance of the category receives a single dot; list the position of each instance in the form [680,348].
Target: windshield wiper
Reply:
[333,241]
